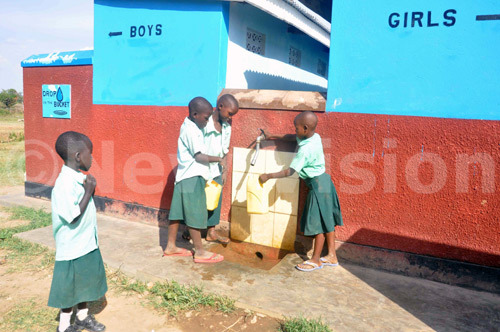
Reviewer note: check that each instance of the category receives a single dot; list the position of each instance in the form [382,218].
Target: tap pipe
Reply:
[257,147]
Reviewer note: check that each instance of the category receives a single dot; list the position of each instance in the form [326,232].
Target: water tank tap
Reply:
[259,138]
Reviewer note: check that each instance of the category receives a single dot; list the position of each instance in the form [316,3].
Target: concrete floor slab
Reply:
[348,297]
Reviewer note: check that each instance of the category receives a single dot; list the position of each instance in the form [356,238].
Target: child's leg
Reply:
[64,319]
[319,241]
[212,236]
[82,311]
[172,248]
[85,321]
[200,252]
[196,236]
[332,255]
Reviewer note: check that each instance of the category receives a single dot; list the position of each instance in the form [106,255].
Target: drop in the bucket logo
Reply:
[56,101]
[59,99]
[59,94]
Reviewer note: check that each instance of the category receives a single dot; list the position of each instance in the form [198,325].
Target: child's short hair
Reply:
[228,99]
[71,141]
[199,104]
[308,118]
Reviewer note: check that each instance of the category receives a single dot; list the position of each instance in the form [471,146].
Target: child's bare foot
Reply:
[176,251]
[208,257]
[213,236]
[330,260]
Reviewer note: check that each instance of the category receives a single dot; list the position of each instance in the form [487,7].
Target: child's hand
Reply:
[89,184]
[224,177]
[263,178]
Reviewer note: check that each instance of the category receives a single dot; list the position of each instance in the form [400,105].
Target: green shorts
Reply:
[82,279]
[189,203]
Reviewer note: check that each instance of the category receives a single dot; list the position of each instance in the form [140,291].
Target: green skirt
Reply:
[189,203]
[78,280]
[214,216]
[322,208]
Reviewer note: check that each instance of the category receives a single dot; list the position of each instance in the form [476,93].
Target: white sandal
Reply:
[314,265]
[326,262]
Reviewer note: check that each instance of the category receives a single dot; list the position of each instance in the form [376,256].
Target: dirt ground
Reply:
[22,286]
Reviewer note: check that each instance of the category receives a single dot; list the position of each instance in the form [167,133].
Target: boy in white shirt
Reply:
[217,134]
[79,275]
[189,204]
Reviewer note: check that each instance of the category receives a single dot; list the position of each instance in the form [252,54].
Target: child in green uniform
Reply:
[189,204]
[322,209]
[79,274]
[217,136]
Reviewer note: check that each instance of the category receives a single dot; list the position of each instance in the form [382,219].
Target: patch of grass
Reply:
[27,213]
[10,115]
[38,218]
[175,297]
[29,316]
[124,284]
[12,163]
[16,136]
[22,253]
[171,296]
[302,324]
[12,158]
[24,256]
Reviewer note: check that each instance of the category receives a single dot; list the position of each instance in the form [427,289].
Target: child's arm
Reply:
[205,159]
[281,174]
[287,137]
[89,186]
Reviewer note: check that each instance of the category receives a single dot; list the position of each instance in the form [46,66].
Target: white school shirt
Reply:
[190,142]
[217,143]
[309,161]
[77,239]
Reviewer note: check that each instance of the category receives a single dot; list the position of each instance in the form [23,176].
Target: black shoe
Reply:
[71,328]
[90,324]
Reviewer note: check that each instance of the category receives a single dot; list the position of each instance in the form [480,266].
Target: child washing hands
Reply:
[322,209]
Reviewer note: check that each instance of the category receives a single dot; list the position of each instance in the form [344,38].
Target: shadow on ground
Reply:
[440,306]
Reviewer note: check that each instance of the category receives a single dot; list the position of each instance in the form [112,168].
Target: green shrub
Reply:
[10,97]
[16,137]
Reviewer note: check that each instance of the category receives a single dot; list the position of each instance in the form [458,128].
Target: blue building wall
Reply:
[159,52]
[422,58]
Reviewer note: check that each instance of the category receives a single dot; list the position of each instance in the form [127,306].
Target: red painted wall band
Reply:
[422,185]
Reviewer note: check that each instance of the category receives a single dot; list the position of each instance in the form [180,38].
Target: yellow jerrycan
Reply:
[257,196]
[212,191]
